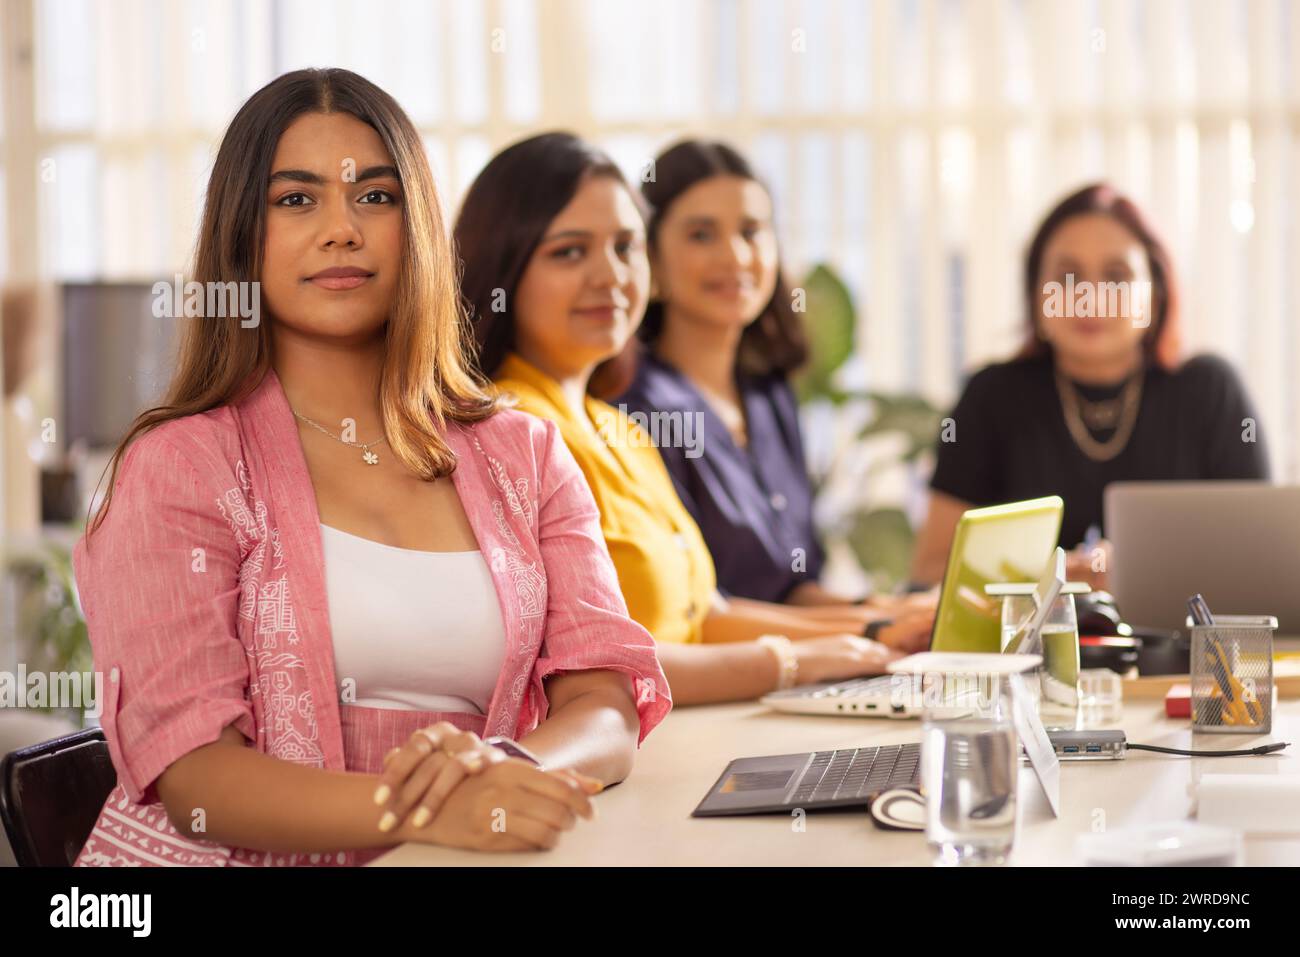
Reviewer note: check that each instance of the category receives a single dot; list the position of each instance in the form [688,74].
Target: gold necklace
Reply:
[370,458]
[1123,413]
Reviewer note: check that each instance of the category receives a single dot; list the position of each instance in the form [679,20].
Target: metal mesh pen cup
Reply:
[1232,675]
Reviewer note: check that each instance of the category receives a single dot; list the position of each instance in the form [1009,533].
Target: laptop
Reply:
[856,777]
[1001,543]
[851,777]
[1237,543]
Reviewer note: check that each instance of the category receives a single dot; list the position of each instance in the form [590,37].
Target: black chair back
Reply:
[51,795]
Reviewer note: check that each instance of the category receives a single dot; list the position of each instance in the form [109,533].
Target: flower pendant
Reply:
[370,457]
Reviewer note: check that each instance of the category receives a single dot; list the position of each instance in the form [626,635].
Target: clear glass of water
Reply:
[969,768]
[1060,671]
[1056,685]
[1016,612]
[1101,698]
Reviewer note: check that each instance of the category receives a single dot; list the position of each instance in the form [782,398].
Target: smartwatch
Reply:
[874,628]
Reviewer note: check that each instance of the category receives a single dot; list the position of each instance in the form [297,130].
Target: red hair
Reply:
[1162,344]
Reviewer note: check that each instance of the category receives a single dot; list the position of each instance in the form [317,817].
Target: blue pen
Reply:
[1200,610]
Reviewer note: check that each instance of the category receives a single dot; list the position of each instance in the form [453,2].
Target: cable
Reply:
[1262,749]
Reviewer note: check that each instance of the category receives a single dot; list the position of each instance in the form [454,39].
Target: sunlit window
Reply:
[911,144]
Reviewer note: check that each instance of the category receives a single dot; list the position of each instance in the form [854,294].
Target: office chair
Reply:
[50,795]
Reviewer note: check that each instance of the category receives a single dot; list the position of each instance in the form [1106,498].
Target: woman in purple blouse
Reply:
[718,342]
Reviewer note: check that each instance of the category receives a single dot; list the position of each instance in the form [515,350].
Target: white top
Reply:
[412,629]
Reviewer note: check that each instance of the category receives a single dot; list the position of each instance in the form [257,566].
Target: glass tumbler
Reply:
[969,769]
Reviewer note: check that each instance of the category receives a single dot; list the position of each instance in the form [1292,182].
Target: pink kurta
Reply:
[204,592]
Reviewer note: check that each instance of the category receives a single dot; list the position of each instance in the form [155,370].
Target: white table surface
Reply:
[646,819]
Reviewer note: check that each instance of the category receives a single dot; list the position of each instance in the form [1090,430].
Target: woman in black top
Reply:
[1096,395]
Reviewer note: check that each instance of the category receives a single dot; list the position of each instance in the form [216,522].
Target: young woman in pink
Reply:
[329,563]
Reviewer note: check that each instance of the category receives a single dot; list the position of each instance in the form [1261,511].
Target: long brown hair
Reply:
[426,377]
[1162,342]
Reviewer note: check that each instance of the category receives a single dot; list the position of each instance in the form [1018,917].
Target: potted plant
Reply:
[867,449]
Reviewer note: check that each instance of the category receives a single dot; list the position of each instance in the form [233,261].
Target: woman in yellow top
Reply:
[556,278]
[663,565]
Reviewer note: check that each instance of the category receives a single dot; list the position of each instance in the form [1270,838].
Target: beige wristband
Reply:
[783,649]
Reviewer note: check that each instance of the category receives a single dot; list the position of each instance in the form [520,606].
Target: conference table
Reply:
[646,820]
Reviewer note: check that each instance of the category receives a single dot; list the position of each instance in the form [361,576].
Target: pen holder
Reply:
[1232,675]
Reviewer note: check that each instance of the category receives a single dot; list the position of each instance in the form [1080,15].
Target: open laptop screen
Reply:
[1001,543]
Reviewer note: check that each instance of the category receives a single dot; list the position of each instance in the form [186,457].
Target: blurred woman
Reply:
[1097,393]
[330,561]
[556,278]
[721,339]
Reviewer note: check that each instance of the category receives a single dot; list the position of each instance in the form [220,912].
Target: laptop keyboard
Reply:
[856,772]
[880,683]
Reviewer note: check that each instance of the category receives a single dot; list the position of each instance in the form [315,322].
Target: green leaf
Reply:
[829,324]
[882,541]
[47,608]
[911,415]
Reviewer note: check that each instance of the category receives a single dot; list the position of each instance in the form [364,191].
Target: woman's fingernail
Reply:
[474,762]
[388,821]
[422,817]
[383,793]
